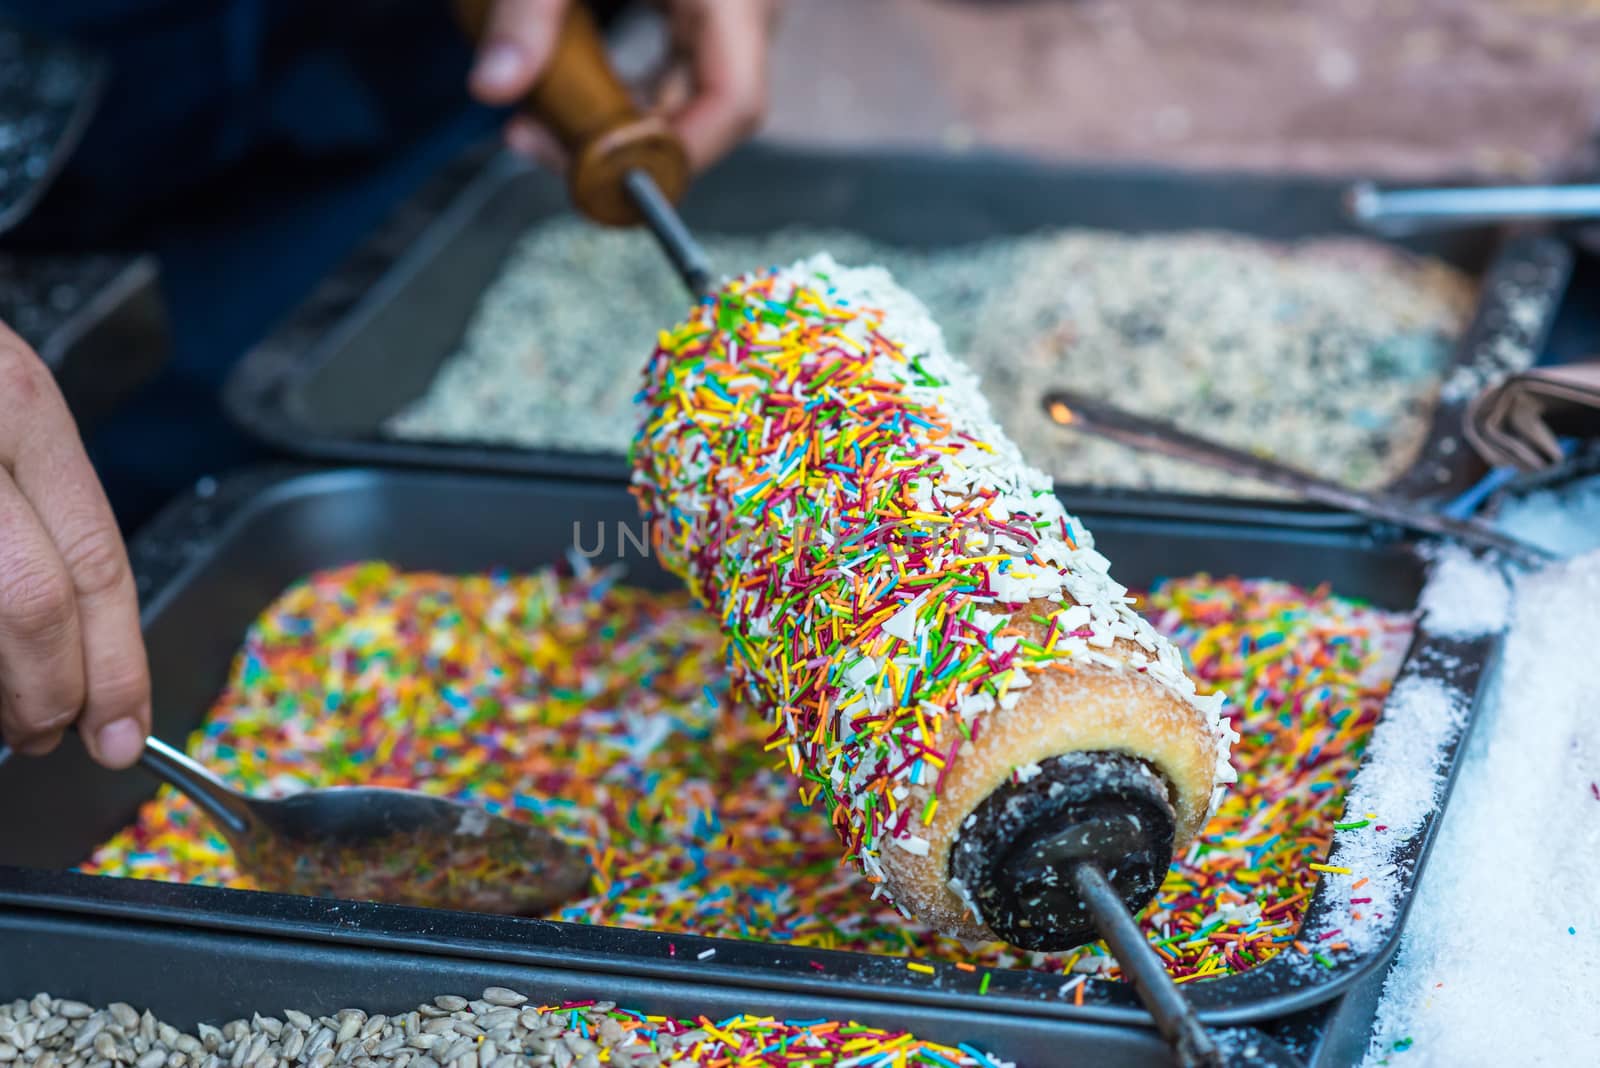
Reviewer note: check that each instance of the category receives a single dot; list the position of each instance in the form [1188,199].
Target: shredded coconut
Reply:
[1465,597]
[1498,961]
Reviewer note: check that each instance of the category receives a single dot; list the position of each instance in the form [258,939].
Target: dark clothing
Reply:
[200,88]
[250,144]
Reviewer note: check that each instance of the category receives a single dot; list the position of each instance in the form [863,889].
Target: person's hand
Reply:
[70,646]
[716,94]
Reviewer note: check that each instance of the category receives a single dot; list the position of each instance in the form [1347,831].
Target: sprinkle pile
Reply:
[832,485]
[597,707]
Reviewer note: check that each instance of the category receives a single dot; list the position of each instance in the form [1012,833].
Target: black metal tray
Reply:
[187,975]
[212,561]
[97,321]
[373,336]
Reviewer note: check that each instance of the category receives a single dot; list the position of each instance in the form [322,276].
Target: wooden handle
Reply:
[580,99]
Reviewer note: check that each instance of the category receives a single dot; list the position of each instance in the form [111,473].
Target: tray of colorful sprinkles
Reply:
[468,331]
[396,647]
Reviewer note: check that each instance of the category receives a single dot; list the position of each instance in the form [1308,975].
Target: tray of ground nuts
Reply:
[487,328]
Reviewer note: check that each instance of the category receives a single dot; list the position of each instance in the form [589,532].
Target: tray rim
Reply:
[1257,1046]
[258,395]
[202,521]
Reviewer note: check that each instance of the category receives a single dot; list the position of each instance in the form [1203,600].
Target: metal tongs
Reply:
[1152,435]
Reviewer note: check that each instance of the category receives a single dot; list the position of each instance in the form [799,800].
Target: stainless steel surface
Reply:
[1191,1045]
[368,843]
[1403,211]
[1080,413]
[686,254]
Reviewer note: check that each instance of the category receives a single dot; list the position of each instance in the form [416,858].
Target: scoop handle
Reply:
[581,101]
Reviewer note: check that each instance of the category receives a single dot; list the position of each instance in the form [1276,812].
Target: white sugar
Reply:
[1465,596]
[1500,959]
[1566,521]
[1395,790]
[1398,784]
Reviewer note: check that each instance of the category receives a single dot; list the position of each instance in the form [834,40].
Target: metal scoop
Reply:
[377,844]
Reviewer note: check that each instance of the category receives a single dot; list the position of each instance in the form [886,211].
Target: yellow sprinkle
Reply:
[1329,868]
[925,969]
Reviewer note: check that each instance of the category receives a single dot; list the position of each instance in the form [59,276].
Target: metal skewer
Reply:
[1192,1046]
[1398,211]
[1153,435]
[688,256]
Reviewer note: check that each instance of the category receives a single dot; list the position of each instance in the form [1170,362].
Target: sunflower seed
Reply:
[153,1059]
[86,1034]
[389,1046]
[499,995]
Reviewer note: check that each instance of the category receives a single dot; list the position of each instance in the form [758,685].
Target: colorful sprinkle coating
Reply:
[595,707]
[834,488]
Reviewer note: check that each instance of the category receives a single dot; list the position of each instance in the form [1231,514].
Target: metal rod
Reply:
[1192,1046]
[686,254]
[1152,435]
[1401,210]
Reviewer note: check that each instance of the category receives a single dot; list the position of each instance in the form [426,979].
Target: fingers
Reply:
[727,44]
[516,45]
[85,660]
[527,138]
[41,648]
